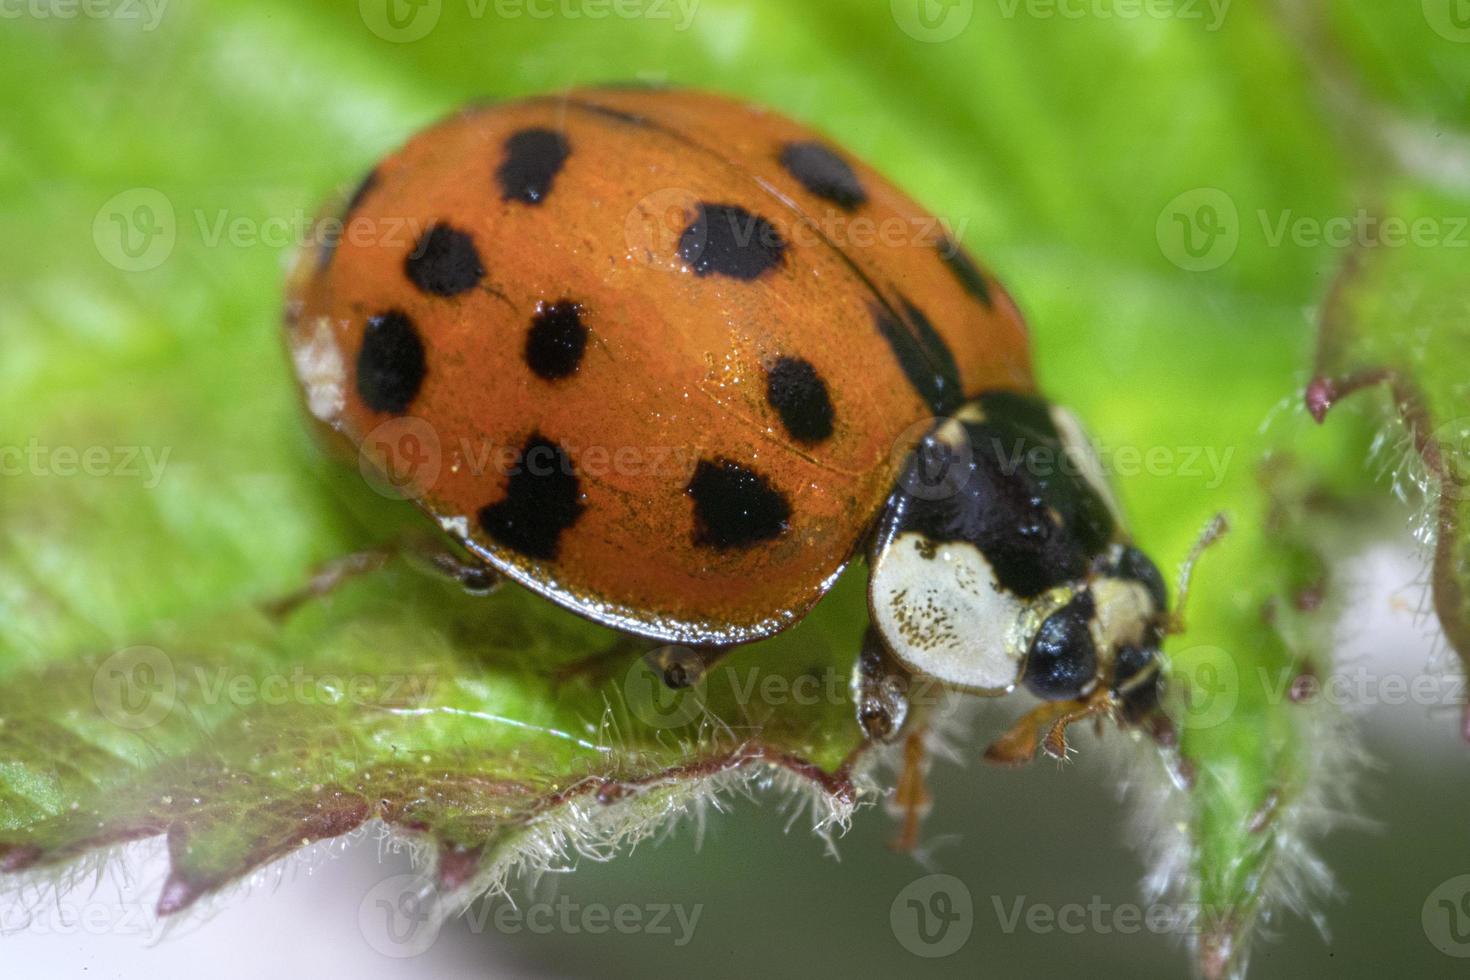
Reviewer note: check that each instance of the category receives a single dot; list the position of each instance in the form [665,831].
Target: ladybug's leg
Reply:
[1045,727]
[474,577]
[911,799]
[880,689]
[328,578]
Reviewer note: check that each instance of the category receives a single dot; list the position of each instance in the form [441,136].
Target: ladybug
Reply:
[684,360]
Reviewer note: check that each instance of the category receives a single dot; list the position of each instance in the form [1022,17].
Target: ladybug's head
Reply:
[1001,558]
[1107,630]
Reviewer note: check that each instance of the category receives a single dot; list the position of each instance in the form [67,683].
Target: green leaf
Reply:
[1399,320]
[1124,176]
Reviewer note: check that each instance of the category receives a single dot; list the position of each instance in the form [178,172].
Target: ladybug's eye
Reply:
[1062,660]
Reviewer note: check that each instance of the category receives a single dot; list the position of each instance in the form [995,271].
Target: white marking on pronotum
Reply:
[945,614]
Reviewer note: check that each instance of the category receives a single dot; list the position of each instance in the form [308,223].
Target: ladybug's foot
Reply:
[1045,728]
[475,577]
[880,689]
[678,667]
[911,799]
[682,667]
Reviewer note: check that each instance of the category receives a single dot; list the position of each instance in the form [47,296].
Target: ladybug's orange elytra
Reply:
[702,316]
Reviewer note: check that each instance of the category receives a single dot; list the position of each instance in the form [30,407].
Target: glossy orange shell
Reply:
[675,364]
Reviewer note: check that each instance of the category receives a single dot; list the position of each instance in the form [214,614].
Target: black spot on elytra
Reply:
[935,348]
[332,237]
[800,396]
[390,364]
[533,158]
[824,173]
[953,255]
[542,499]
[556,340]
[735,507]
[729,240]
[444,262]
[922,354]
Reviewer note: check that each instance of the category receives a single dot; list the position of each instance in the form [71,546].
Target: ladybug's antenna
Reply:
[1213,532]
